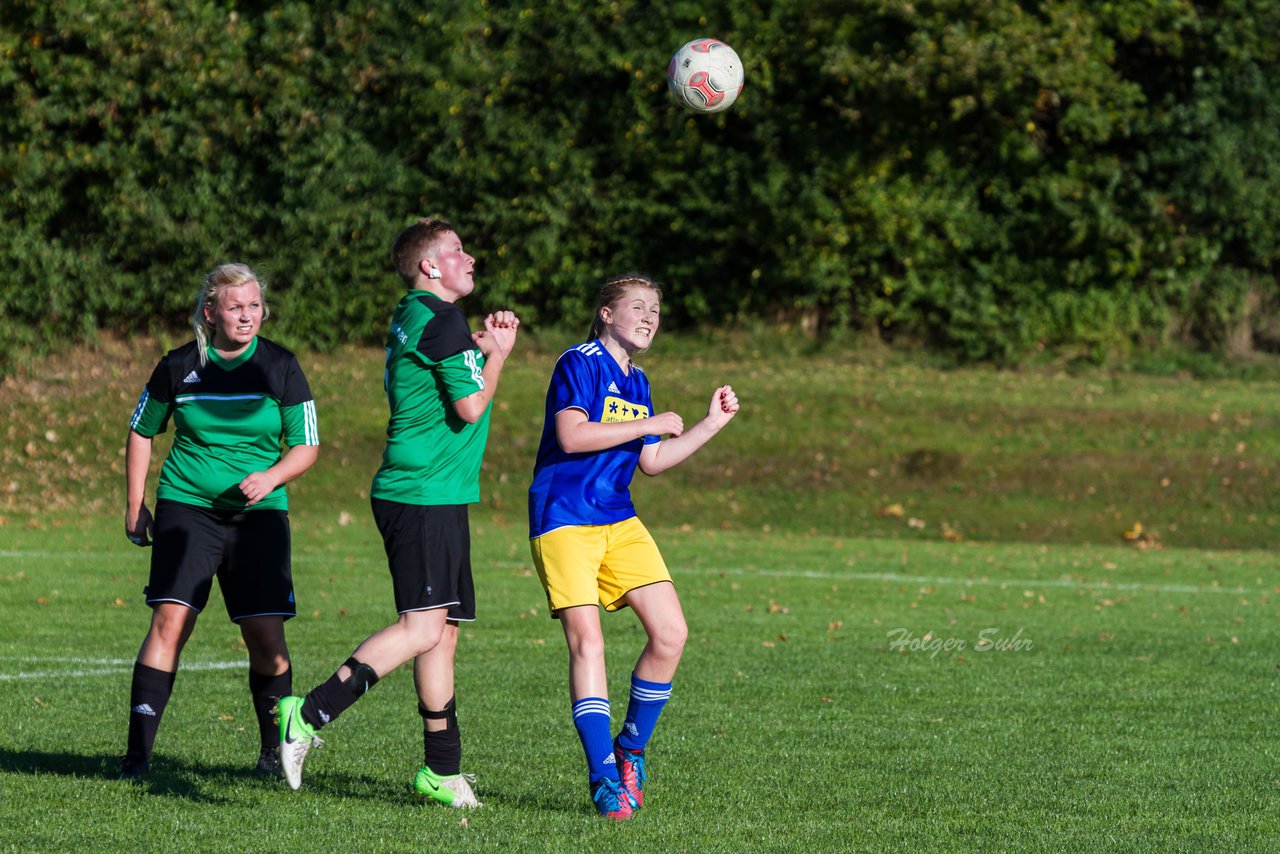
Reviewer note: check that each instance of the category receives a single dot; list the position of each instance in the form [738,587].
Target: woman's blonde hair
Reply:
[220,279]
[615,289]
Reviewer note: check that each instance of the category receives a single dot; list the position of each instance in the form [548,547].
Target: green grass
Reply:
[1140,716]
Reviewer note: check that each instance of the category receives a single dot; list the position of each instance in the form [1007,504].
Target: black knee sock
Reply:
[148,695]
[267,691]
[335,696]
[442,750]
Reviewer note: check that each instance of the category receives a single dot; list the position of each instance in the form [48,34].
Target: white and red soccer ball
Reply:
[705,76]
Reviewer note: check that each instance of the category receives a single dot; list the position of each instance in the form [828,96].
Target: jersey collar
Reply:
[232,364]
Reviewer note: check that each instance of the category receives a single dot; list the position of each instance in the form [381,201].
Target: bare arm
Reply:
[293,464]
[137,463]
[472,407]
[657,458]
[577,435]
[496,342]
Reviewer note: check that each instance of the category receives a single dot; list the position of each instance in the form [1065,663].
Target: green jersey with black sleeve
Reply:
[432,455]
[229,417]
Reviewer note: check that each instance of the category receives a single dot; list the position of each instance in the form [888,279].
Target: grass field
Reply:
[836,693]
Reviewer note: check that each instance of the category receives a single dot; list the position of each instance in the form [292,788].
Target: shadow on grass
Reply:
[204,783]
[170,777]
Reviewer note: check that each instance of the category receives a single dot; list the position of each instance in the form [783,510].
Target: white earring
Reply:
[433,273]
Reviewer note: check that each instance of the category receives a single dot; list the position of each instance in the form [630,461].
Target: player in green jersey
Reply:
[440,381]
[221,508]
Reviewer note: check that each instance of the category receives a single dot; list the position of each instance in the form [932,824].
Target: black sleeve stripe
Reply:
[445,335]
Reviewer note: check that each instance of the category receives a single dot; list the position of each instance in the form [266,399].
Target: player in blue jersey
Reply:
[589,547]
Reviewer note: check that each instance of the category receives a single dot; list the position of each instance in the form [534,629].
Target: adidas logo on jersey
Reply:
[144,709]
[192,377]
[613,387]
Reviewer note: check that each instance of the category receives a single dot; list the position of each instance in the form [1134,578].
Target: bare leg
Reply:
[264,638]
[269,680]
[171,627]
[433,674]
[415,633]
[658,608]
[153,678]
[582,632]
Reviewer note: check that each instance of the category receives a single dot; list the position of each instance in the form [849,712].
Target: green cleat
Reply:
[296,738]
[454,791]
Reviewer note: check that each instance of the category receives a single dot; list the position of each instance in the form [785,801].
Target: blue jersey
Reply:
[592,488]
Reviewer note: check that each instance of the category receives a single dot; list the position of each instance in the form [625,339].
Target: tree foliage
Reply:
[987,178]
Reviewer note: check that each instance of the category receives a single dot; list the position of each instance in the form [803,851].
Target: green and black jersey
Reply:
[229,417]
[432,455]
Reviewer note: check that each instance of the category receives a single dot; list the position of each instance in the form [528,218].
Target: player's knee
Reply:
[419,633]
[168,627]
[425,643]
[274,660]
[266,647]
[669,640]
[586,645]
[447,642]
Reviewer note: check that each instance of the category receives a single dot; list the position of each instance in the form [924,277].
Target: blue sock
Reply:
[591,718]
[647,700]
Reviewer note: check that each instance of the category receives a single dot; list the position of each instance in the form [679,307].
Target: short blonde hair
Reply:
[220,279]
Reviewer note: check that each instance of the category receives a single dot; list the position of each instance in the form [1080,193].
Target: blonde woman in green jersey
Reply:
[221,507]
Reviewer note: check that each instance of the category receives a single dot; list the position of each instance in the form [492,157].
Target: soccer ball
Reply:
[705,76]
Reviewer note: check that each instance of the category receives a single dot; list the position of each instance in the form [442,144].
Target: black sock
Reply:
[148,695]
[442,750]
[335,696]
[267,691]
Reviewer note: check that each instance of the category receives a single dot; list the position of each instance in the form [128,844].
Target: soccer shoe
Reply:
[454,791]
[296,738]
[269,762]
[133,767]
[631,770]
[610,800]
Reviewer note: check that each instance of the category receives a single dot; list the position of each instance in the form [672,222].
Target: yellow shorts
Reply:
[586,564]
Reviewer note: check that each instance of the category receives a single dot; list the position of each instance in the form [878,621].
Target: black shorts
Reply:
[247,550]
[429,554]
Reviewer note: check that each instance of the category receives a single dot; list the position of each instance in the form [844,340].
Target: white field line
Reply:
[11,554]
[115,666]
[956,581]
[105,667]
[983,581]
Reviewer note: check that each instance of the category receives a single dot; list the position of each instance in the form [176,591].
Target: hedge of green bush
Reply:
[985,178]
